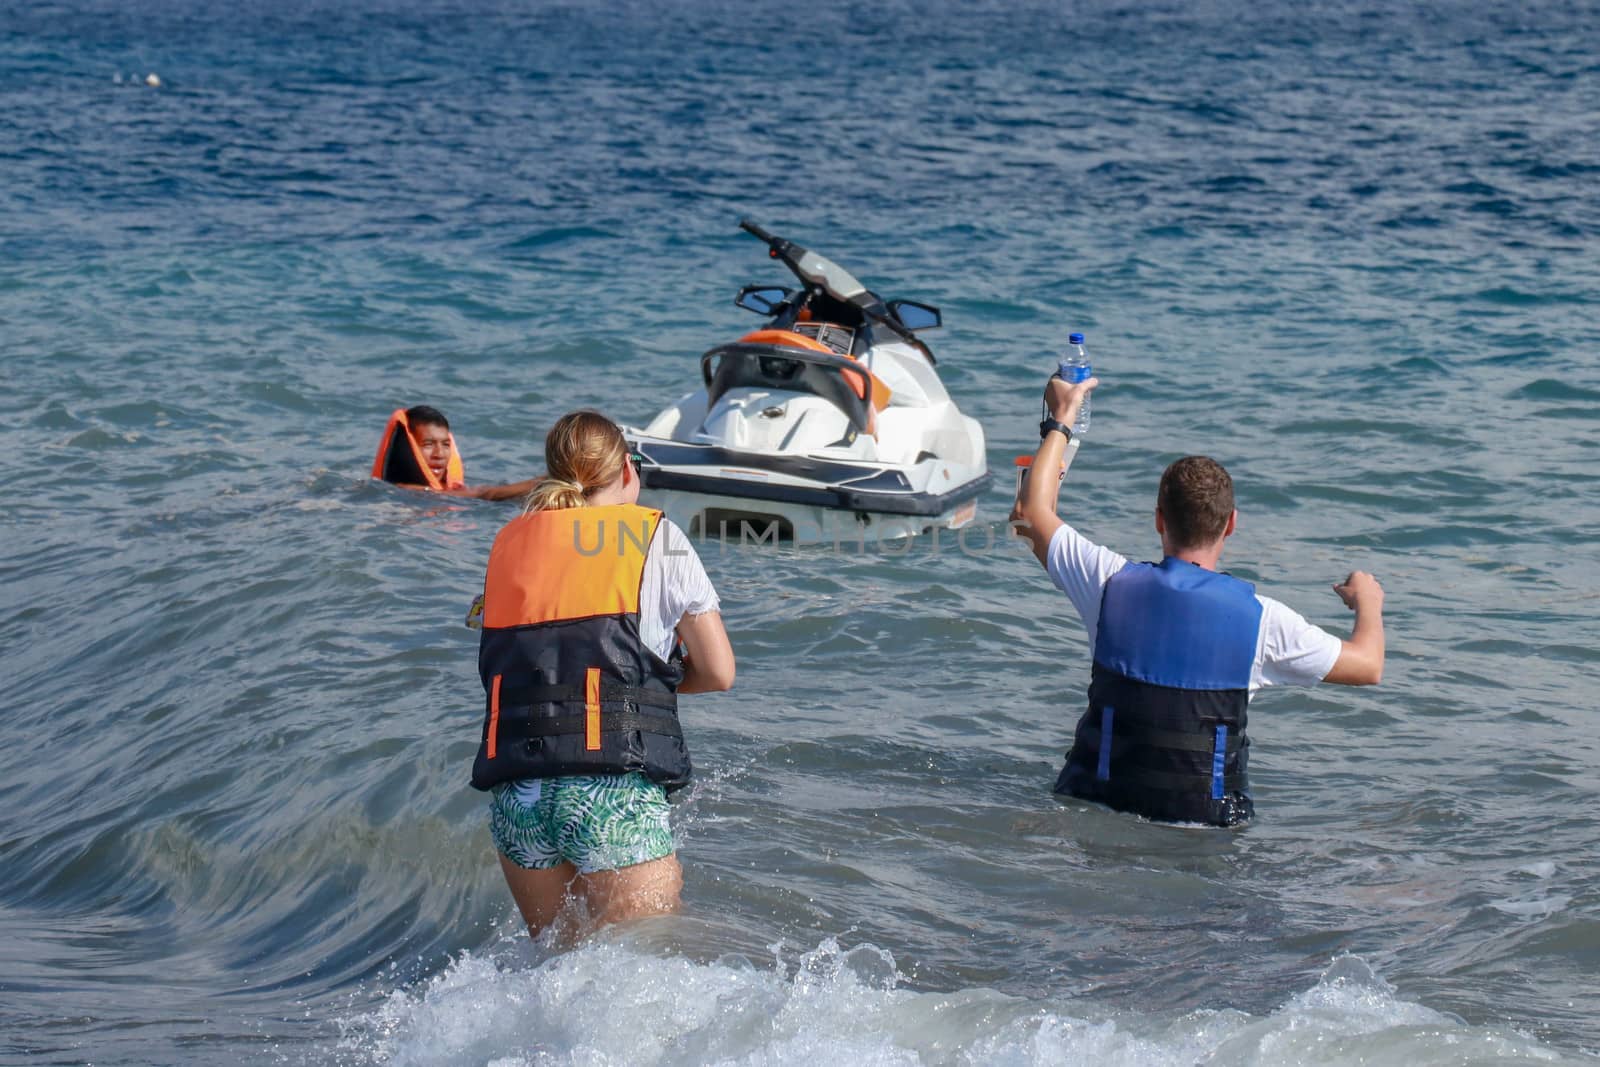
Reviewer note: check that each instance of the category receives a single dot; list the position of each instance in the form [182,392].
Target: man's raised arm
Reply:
[1033,515]
[1360,659]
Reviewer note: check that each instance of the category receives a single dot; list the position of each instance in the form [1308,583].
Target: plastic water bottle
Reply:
[1074,367]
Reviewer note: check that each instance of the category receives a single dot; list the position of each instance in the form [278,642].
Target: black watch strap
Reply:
[1047,424]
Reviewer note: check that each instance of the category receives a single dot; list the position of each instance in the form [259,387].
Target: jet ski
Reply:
[827,423]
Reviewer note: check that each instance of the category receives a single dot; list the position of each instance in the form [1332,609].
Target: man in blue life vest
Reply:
[1178,647]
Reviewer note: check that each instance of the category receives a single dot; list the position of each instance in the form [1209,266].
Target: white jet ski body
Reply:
[828,424]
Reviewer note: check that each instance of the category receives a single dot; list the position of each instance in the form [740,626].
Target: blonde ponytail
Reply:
[553,493]
[584,451]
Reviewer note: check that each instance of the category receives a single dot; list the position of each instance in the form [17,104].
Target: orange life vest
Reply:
[570,686]
[400,461]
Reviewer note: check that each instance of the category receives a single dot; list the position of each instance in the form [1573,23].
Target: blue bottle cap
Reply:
[1075,339]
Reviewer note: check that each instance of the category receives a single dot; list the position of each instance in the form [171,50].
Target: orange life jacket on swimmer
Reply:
[571,687]
[864,384]
[400,461]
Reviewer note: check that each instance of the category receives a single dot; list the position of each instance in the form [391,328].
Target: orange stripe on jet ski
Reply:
[786,337]
[860,384]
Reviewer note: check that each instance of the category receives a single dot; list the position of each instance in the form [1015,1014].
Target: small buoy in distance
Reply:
[152,80]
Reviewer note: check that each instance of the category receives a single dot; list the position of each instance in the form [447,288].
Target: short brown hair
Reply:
[422,415]
[1195,499]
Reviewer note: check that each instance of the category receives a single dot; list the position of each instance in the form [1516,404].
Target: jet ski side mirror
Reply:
[762,299]
[915,316]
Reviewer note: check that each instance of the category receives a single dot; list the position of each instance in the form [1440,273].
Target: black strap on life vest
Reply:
[521,707]
[614,722]
[1169,754]
[558,694]
[1132,775]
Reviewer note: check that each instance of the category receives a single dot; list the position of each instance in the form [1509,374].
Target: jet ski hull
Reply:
[703,487]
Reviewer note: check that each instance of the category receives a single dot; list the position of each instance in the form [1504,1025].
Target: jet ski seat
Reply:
[864,384]
[761,360]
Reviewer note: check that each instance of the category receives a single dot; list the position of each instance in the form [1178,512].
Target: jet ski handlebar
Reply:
[792,255]
[832,279]
[749,227]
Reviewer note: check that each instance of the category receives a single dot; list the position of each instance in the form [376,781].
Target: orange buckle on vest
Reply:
[494,718]
[591,710]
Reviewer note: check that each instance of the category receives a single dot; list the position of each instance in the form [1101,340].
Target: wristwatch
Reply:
[1047,424]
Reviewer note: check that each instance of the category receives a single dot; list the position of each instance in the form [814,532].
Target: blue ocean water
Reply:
[1351,251]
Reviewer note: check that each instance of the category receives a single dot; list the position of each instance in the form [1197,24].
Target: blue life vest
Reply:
[1164,733]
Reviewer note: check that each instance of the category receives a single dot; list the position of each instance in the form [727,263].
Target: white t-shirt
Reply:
[674,584]
[1289,650]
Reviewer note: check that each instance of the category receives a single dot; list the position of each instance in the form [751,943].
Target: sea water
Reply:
[239,705]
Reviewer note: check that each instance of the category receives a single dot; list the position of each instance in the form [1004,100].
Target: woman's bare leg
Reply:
[539,894]
[649,888]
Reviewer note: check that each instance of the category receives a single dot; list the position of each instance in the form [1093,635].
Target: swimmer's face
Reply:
[434,441]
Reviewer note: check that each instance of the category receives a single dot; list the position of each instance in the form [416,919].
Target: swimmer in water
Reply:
[418,451]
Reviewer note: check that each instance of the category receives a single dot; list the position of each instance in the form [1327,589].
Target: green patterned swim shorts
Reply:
[595,822]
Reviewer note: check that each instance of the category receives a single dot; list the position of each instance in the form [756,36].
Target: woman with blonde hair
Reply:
[587,597]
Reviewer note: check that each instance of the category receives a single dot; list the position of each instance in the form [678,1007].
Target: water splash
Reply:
[610,1002]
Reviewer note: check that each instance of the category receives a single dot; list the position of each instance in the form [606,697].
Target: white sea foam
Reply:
[1533,908]
[611,1003]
